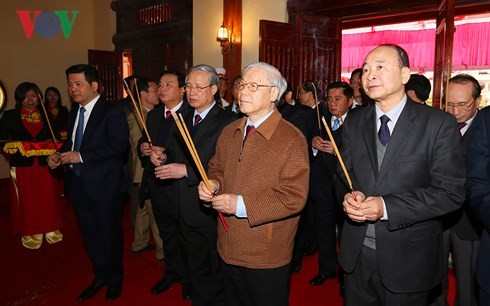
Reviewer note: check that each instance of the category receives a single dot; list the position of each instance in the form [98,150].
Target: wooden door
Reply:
[443,51]
[308,49]
[109,65]
[319,56]
[277,46]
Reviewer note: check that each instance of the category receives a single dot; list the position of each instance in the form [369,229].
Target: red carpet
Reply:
[56,274]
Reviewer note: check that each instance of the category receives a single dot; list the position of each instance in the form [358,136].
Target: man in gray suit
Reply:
[407,170]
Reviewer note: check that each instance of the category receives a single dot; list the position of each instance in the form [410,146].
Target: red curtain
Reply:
[471,46]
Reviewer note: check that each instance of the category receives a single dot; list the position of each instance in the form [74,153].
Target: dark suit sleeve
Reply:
[478,168]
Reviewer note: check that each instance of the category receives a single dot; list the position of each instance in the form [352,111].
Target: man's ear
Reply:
[411,94]
[214,89]
[95,86]
[405,75]
[274,94]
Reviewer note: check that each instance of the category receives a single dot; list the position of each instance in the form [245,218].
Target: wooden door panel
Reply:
[320,57]
[109,65]
[306,50]
[277,47]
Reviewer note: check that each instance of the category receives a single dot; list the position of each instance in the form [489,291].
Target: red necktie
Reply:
[168,114]
[197,119]
[250,129]
[461,125]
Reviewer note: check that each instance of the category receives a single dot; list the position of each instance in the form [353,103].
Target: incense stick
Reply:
[182,127]
[339,157]
[47,120]
[139,99]
[138,115]
[317,109]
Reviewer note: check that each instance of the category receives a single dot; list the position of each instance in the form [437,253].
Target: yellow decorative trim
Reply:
[17,146]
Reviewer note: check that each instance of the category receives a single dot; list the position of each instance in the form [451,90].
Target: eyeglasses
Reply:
[198,89]
[252,87]
[461,104]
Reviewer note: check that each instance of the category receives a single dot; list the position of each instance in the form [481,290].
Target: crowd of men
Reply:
[275,190]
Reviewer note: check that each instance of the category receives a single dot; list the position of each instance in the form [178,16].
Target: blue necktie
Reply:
[384,131]
[78,138]
[336,124]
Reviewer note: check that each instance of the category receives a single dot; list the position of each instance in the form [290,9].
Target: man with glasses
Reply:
[234,107]
[259,181]
[196,225]
[462,230]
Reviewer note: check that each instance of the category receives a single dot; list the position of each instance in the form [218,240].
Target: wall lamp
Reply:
[226,39]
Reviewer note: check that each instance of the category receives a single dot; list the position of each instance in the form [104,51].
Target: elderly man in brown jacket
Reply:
[259,174]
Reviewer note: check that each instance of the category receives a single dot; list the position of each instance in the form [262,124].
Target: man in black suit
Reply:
[159,123]
[197,228]
[462,229]
[323,189]
[407,170]
[478,196]
[96,150]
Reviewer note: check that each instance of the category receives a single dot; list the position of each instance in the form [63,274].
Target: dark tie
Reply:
[168,114]
[250,129]
[197,119]
[78,138]
[384,131]
[336,124]
[461,125]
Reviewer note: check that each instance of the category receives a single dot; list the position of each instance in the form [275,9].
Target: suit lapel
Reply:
[93,119]
[368,135]
[205,124]
[465,138]
[71,124]
[400,136]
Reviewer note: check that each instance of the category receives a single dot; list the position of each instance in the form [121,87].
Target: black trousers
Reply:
[256,287]
[326,217]
[165,211]
[364,287]
[100,224]
[203,262]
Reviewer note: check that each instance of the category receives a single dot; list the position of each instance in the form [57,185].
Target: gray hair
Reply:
[213,76]
[273,76]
